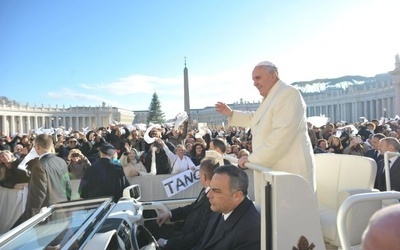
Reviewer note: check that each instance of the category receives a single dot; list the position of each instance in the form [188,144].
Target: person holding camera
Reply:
[355,147]
[77,164]
[90,146]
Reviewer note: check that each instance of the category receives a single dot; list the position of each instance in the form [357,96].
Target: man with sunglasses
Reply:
[63,151]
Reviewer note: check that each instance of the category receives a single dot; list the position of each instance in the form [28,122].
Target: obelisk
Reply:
[186,91]
[396,82]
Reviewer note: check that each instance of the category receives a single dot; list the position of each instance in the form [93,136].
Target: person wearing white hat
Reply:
[156,155]
[279,129]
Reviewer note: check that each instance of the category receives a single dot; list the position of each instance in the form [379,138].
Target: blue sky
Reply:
[121,52]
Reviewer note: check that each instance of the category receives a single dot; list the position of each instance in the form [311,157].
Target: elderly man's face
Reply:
[263,80]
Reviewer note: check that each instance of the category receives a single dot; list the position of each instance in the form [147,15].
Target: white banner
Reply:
[31,155]
[181,181]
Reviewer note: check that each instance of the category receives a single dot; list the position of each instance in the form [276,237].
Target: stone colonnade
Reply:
[22,119]
[22,123]
[371,100]
[351,110]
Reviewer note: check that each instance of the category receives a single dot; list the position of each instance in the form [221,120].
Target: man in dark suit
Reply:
[49,182]
[195,215]
[374,152]
[235,223]
[104,177]
[392,145]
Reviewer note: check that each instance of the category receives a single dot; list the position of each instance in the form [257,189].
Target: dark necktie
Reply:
[220,223]
[383,171]
[201,195]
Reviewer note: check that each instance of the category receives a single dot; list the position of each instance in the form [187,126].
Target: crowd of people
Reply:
[115,153]
[104,158]
[352,139]
[80,150]
[370,139]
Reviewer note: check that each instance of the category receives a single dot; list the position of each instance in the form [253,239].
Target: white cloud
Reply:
[135,91]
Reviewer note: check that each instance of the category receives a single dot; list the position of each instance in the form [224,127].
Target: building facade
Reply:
[216,120]
[376,97]
[23,118]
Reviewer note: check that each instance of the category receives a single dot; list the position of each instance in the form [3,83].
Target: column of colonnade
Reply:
[23,123]
[3,124]
[351,111]
[396,82]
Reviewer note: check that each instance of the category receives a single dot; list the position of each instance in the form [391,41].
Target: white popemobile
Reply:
[293,216]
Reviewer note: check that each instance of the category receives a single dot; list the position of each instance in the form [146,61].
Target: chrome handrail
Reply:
[348,203]
[250,165]
[387,167]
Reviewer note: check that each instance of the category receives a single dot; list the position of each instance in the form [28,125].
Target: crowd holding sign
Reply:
[181,181]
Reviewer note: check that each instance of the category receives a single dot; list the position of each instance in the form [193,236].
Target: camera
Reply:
[357,139]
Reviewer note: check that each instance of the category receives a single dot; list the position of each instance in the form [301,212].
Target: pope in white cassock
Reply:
[280,139]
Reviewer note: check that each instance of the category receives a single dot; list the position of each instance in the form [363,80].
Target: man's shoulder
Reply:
[396,162]
[248,210]
[102,162]
[52,158]
[288,89]
[248,219]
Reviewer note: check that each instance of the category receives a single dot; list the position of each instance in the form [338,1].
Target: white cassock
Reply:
[280,139]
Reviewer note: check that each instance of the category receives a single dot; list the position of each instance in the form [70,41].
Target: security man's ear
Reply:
[238,194]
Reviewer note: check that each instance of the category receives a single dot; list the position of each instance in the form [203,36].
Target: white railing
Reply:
[348,204]
[288,209]
[386,156]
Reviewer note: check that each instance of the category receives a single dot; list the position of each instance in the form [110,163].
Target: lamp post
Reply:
[384,112]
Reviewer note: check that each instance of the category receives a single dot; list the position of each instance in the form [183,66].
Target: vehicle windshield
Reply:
[56,230]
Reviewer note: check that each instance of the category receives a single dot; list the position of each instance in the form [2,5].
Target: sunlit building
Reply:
[351,97]
[18,118]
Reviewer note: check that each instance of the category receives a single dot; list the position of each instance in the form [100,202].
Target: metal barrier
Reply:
[288,209]
[387,168]
[348,203]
